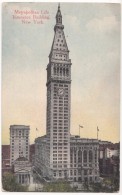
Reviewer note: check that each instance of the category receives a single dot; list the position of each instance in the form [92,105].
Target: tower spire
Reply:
[59,42]
[59,16]
[58,6]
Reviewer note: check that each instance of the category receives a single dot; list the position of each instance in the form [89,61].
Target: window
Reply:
[79,156]
[19,178]
[54,174]
[71,172]
[60,174]
[74,172]
[90,178]
[85,172]
[95,155]
[79,171]
[90,172]
[22,178]
[90,156]
[85,156]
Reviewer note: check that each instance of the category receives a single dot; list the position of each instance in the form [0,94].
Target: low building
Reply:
[109,159]
[109,152]
[23,171]
[6,159]
[84,156]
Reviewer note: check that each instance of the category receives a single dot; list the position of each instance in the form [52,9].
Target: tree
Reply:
[59,186]
[97,187]
[9,184]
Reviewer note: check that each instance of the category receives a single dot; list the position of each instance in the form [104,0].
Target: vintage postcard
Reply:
[60,97]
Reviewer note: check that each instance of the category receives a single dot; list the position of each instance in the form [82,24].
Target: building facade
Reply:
[54,152]
[6,159]
[19,142]
[23,171]
[84,159]
[58,102]
[109,159]
[41,160]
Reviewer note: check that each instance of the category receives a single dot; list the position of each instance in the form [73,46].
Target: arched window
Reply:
[90,156]
[85,156]
[95,155]
[79,156]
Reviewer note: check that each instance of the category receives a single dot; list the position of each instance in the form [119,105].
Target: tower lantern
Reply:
[58,16]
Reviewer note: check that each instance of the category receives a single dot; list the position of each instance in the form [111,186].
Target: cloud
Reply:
[22,48]
[74,22]
[113,56]
[103,25]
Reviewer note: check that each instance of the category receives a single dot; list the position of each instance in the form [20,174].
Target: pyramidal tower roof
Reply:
[59,44]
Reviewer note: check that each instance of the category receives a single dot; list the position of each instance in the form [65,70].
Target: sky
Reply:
[92,33]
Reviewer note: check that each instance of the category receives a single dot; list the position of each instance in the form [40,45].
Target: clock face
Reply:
[60,92]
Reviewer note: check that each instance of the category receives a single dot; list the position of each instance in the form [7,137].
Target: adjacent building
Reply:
[23,170]
[19,142]
[32,153]
[84,159]
[59,155]
[6,159]
[109,159]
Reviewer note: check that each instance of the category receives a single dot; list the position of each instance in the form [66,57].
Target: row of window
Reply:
[86,156]
[60,154]
[61,57]
[82,148]
[60,134]
[57,97]
[59,166]
[60,106]
[60,85]
[54,144]
[55,162]
[59,158]
[63,98]
[65,88]
[61,123]
[60,173]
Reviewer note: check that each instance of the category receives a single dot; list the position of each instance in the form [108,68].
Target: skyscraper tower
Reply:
[58,103]
[58,154]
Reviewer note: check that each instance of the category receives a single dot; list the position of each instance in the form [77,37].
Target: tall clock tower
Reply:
[58,103]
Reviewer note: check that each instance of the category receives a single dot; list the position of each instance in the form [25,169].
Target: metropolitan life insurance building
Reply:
[58,155]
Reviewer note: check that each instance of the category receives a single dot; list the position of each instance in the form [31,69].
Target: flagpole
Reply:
[97,132]
[79,129]
[36,132]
